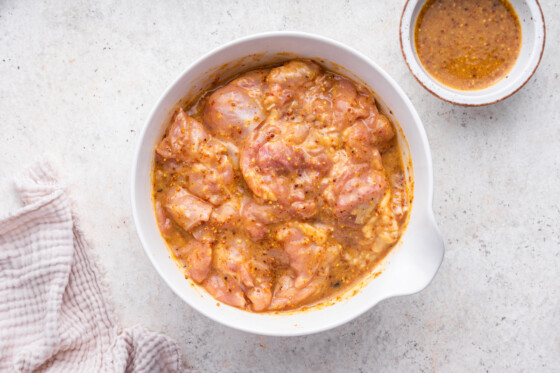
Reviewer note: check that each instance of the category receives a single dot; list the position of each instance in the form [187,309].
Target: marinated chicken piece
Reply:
[335,102]
[225,289]
[254,83]
[353,188]
[211,183]
[304,244]
[287,295]
[347,105]
[226,216]
[355,191]
[187,210]
[257,217]
[210,172]
[310,261]
[382,131]
[185,139]
[236,109]
[260,296]
[231,258]
[315,104]
[361,139]
[358,143]
[233,261]
[285,82]
[196,256]
[260,293]
[284,164]
[248,216]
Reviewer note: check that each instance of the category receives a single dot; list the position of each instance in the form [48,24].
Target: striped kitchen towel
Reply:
[53,316]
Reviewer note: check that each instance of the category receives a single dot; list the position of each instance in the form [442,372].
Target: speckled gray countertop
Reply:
[79,78]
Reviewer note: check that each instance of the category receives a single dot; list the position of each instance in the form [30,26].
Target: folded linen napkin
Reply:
[53,316]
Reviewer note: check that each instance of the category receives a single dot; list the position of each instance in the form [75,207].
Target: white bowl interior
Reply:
[533,35]
[408,269]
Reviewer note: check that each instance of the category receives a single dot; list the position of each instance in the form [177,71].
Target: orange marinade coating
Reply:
[280,189]
[468,44]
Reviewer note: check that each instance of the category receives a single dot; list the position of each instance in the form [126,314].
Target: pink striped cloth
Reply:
[53,316]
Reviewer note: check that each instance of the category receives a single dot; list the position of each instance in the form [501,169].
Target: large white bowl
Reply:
[408,269]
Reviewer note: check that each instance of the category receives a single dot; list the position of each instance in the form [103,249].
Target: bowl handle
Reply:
[427,254]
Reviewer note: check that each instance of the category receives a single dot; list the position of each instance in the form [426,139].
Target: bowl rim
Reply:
[422,137]
[441,96]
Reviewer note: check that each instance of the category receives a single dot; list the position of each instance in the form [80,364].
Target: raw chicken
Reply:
[187,210]
[210,172]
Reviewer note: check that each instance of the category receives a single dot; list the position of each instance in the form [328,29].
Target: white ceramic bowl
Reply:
[408,269]
[533,39]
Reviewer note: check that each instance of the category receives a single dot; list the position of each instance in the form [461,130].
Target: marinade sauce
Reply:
[468,44]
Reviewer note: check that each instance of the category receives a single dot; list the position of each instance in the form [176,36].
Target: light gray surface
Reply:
[78,80]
